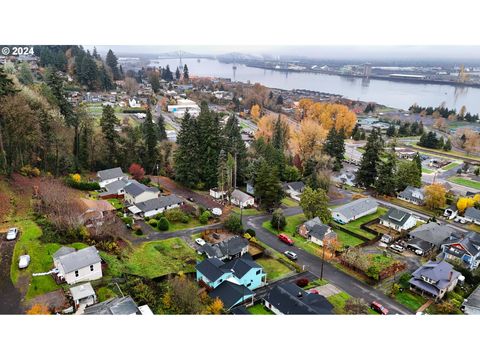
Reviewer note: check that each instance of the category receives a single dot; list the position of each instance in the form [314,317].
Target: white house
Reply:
[108,176]
[472,215]
[241,199]
[412,195]
[398,220]
[156,206]
[136,192]
[217,193]
[83,295]
[354,210]
[182,106]
[78,266]
[133,103]
[294,189]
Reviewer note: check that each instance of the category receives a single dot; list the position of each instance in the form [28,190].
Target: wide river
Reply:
[391,93]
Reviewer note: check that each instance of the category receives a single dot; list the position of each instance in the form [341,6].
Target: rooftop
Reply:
[75,260]
[110,173]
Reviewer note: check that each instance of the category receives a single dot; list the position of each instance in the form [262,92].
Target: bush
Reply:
[206,215]
[29,171]
[153,222]
[85,186]
[302,282]
[159,216]
[234,224]
[174,215]
[127,220]
[139,231]
[247,236]
[185,219]
[163,224]
[251,232]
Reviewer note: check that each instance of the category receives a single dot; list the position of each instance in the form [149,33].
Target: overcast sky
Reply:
[327,52]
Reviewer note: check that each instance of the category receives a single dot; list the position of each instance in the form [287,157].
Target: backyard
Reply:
[273,268]
[354,226]
[158,258]
[259,309]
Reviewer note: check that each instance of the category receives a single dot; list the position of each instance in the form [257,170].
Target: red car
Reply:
[376,306]
[285,239]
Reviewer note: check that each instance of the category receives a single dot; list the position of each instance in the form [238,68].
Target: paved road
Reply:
[261,292]
[313,264]
[186,233]
[10,297]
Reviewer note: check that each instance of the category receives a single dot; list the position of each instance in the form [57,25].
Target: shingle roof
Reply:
[79,259]
[290,299]
[470,242]
[312,222]
[396,216]
[110,173]
[116,186]
[211,268]
[240,195]
[432,232]
[159,203]
[412,193]
[240,266]
[82,291]
[318,231]
[472,213]
[230,293]
[439,271]
[356,207]
[116,306]
[227,247]
[297,186]
[134,188]
[64,250]
[474,299]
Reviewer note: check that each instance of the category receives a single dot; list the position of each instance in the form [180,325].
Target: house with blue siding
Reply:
[231,281]
[464,249]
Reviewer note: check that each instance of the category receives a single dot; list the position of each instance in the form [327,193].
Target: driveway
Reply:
[313,264]
[10,297]
[185,233]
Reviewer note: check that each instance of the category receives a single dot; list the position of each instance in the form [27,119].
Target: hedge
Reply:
[85,186]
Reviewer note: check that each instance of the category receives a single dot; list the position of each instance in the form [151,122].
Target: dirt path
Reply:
[10,297]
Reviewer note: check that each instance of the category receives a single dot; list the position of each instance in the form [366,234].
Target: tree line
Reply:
[445,112]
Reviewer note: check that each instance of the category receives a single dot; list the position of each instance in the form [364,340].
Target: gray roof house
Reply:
[116,306]
[434,279]
[241,199]
[114,188]
[294,189]
[155,206]
[413,195]
[429,237]
[110,175]
[354,210]
[308,225]
[77,266]
[398,220]
[471,305]
[233,247]
[290,299]
[473,215]
[464,249]
[83,295]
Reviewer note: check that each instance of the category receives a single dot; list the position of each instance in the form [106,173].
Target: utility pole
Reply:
[323,261]
[235,171]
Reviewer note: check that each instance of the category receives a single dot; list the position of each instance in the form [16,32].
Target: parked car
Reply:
[376,306]
[12,234]
[386,239]
[200,241]
[418,252]
[284,238]
[291,255]
[23,261]
[397,248]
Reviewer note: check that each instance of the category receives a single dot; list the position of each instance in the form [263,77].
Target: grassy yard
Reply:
[273,268]
[445,154]
[289,202]
[116,203]
[158,258]
[427,171]
[409,299]
[105,293]
[354,226]
[465,182]
[347,239]
[41,260]
[450,166]
[259,309]
[339,300]
[247,212]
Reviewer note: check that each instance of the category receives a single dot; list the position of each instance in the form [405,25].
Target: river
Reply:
[390,93]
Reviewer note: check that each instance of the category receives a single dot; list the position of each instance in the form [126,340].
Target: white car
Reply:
[23,261]
[200,241]
[397,248]
[12,234]
[291,255]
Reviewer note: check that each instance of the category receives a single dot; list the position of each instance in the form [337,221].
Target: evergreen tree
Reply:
[95,54]
[440,143]
[335,147]
[391,131]
[418,162]
[187,161]
[268,188]
[408,174]
[88,74]
[161,132]
[367,172]
[167,74]
[150,137]
[279,100]
[223,173]
[112,61]
[385,183]
[234,145]
[177,74]
[315,203]
[448,145]
[25,75]
[186,76]
[108,122]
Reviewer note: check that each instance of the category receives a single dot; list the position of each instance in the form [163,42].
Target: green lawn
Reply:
[409,299]
[465,182]
[354,226]
[247,212]
[178,225]
[450,166]
[338,301]
[287,201]
[315,283]
[273,268]
[445,154]
[105,293]
[259,309]
[115,203]
[427,171]
[347,239]
[158,258]
[41,259]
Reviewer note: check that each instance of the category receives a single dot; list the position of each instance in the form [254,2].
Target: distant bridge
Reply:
[180,54]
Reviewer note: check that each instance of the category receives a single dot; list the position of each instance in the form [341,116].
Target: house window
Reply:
[91,267]
[258,272]
[76,273]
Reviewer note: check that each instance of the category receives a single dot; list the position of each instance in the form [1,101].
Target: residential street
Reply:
[313,264]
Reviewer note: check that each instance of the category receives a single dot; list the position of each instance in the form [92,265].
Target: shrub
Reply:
[234,224]
[163,224]
[159,216]
[153,222]
[185,219]
[85,186]
[278,220]
[76,177]
[29,171]
[302,282]
[251,232]
[174,215]
[247,236]
[204,217]
[139,231]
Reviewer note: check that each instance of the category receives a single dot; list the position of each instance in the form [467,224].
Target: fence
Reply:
[366,241]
